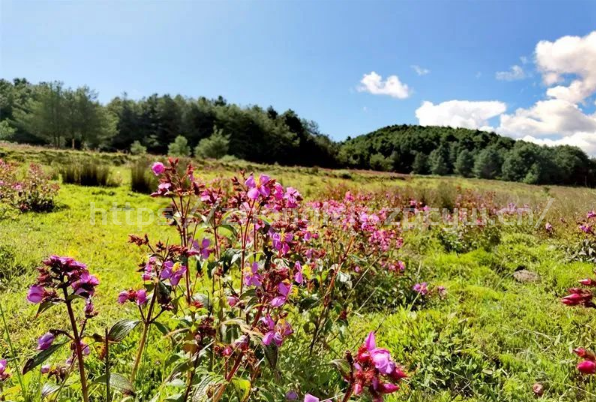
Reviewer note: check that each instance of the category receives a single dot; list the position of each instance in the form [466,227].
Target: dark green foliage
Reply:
[420,165]
[179,147]
[464,164]
[50,114]
[488,164]
[86,173]
[142,180]
[439,161]
[216,146]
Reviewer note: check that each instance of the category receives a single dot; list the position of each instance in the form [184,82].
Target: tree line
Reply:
[52,114]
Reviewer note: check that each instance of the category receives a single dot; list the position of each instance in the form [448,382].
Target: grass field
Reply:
[490,338]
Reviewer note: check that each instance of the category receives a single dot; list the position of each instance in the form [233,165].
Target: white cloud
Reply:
[420,70]
[516,73]
[569,55]
[392,86]
[460,113]
[585,141]
[547,118]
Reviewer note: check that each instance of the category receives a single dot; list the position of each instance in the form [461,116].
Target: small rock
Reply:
[525,276]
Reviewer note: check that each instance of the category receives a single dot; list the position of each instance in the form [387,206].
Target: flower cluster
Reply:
[373,370]
[61,274]
[588,365]
[34,191]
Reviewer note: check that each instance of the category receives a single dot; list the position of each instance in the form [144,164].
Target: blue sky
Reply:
[312,55]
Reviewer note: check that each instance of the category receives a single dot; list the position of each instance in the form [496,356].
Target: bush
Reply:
[215,147]
[137,148]
[179,147]
[142,181]
[87,173]
[34,192]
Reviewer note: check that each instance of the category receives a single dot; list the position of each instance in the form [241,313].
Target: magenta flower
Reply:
[85,286]
[36,294]
[141,297]
[252,276]
[591,214]
[298,276]
[258,187]
[45,341]
[283,292]
[276,332]
[45,369]
[203,248]
[291,396]
[587,367]
[89,309]
[4,375]
[173,271]
[282,242]
[232,301]
[158,168]
[292,197]
[421,288]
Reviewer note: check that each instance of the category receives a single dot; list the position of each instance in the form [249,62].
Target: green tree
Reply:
[380,163]
[464,164]
[179,147]
[420,165]
[137,148]
[438,161]
[216,146]
[488,164]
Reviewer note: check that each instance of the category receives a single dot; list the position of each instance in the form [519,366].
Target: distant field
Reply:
[491,338]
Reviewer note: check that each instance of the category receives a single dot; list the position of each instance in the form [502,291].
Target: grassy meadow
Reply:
[491,337]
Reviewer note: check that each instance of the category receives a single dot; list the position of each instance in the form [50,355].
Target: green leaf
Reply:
[121,329]
[44,306]
[271,352]
[242,387]
[41,357]
[49,389]
[208,383]
[118,382]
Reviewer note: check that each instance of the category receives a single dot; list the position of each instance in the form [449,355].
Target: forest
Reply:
[49,113]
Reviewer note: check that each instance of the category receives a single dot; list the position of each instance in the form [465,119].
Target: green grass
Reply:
[490,339]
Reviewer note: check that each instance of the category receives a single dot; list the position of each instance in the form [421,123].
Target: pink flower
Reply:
[45,341]
[36,294]
[85,286]
[283,291]
[3,367]
[173,272]
[587,367]
[258,187]
[298,276]
[232,301]
[203,248]
[276,332]
[45,369]
[421,288]
[548,227]
[252,276]
[158,168]
[141,297]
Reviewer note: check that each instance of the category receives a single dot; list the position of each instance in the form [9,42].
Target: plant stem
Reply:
[146,325]
[348,394]
[12,351]
[107,346]
[78,350]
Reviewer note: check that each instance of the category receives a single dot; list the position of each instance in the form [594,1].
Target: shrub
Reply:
[215,147]
[87,173]
[142,181]
[179,147]
[137,148]
[33,192]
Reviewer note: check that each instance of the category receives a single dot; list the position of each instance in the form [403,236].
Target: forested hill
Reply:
[49,113]
[468,153]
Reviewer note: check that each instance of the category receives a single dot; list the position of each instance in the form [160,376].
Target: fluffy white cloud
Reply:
[516,73]
[547,118]
[392,86]
[420,70]
[585,141]
[569,55]
[460,113]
